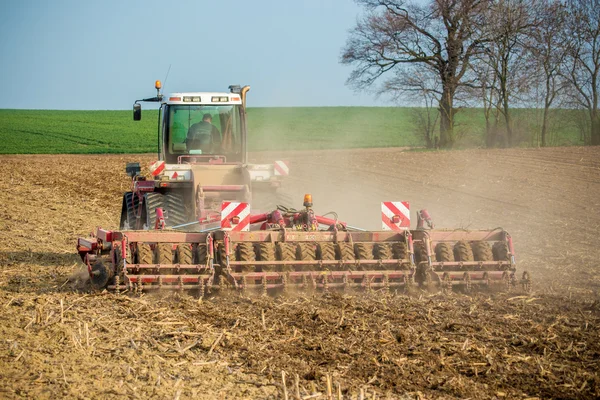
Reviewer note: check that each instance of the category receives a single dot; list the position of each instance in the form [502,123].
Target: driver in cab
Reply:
[204,136]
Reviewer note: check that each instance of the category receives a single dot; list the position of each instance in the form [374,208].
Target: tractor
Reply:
[202,161]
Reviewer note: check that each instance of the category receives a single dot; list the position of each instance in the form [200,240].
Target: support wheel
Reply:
[462,251]
[420,252]
[383,251]
[443,252]
[306,252]
[500,251]
[184,254]
[399,251]
[285,252]
[482,251]
[245,252]
[345,253]
[326,251]
[144,254]
[266,252]
[200,253]
[363,251]
[163,253]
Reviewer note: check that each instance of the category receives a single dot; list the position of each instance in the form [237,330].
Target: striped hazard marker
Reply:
[157,168]
[395,215]
[281,168]
[235,216]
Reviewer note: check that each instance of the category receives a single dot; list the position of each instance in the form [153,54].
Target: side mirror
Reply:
[133,169]
[137,112]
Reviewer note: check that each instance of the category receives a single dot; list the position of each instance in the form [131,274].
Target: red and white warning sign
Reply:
[281,168]
[178,175]
[395,215]
[157,168]
[235,216]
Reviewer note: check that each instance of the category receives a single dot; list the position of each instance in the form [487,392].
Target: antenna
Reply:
[167,76]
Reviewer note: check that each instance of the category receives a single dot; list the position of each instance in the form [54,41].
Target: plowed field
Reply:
[60,339]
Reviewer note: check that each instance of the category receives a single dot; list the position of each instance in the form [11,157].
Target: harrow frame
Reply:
[282,258]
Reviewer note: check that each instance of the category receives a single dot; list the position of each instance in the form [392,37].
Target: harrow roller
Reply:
[322,260]
[465,258]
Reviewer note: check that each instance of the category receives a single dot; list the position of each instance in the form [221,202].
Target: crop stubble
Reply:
[60,339]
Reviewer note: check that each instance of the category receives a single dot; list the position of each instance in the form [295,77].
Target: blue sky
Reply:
[105,54]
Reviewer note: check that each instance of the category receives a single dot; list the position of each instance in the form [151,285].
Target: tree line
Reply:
[495,55]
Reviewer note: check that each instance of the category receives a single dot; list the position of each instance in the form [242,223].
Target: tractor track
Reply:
[502,167]
[573,170]
[429,187]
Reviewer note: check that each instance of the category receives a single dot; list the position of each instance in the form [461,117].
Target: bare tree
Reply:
[482,88]
[546,46]
[583,60]
[439,36]
[582,123]
[418,86]
[508,21]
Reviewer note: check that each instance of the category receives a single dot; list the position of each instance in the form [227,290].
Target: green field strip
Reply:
[293,128]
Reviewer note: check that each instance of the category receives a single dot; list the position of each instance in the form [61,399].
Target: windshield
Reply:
[203,130]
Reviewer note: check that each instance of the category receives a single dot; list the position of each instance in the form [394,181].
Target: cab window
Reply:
[203,130]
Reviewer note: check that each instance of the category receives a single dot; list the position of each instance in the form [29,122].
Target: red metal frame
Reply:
[322,274]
